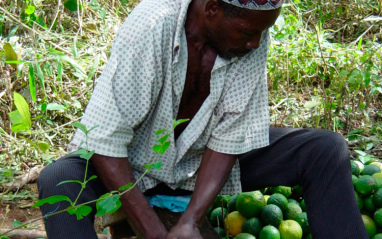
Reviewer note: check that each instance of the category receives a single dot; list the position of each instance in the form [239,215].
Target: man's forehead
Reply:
[258,5]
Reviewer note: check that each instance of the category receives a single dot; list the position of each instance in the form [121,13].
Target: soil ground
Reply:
[23,211]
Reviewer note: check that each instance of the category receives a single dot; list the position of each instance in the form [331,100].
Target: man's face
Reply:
[236,36]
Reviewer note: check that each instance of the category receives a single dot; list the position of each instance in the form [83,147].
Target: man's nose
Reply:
[254,42]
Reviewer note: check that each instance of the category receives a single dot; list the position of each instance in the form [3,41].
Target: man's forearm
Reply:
[214,171]
[116,172]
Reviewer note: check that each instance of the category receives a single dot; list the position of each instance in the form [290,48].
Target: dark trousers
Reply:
[317,160]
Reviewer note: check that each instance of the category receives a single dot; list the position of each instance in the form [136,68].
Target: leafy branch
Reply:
[109,202]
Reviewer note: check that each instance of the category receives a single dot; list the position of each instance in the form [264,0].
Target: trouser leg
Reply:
[317,160]
[64,225]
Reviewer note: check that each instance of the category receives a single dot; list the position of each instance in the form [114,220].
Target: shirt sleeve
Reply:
[119,103]
[243,110]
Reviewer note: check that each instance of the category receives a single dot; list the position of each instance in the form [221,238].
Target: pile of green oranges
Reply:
[367,181]
[279,212]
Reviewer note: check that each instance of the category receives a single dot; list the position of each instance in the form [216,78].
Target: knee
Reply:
[53,174]
[49,177]
[332,147]
[324,148]
[326,154]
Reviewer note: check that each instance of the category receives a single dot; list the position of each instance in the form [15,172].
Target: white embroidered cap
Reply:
[256,4]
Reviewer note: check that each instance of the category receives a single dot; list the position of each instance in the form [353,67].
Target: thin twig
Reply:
[325,70]
[359,38]
[55,17]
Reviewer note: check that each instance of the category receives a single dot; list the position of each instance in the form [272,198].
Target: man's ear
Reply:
[212,8]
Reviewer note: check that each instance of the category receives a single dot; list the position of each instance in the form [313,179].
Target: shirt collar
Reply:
[180,29]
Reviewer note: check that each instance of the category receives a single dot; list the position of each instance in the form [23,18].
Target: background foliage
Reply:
[324,67]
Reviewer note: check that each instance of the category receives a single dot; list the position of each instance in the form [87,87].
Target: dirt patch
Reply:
[22,210]
[15,212]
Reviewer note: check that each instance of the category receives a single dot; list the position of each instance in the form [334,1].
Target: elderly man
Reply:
[204,60]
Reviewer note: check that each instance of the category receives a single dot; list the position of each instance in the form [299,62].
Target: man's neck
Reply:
[194,26]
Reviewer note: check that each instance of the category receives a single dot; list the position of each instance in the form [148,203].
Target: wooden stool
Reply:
[120,228]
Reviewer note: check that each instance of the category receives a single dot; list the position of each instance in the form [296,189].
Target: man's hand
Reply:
[183,231]
[115,172]
[212,175]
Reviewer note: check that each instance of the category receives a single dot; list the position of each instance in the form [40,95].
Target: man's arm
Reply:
[214,171]
[116,172]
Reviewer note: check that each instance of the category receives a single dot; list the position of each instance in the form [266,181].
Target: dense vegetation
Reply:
[325,71]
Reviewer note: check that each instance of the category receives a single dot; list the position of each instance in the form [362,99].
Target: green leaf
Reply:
[69,181]
[94,127]
[365,159]
[52,200]
[32,82]
[148,166]
[20,67]
[165,147]
[81,211]
[93,69]
[92,177]
[47,157]
[13,32]
[87,155]
[125,187]
[359,44]
[19,128]
[15,117]
[43,146]
[30,142]
[59,69]
[23,108]
[311,104]
[74,47]
[157,148]
[107,204]
[16,223]
[71,5]
[10,54]
[18,123]
[103,14]
[344,73]
[360,152]
[80,151]
[41,22]
[158,132]
[2,18]
[40,77]
[72,62]
[43,107]
[80,126]
[179,121]
[55,106]
[77,105]
[369,146]
[157,165]
[30,9]
[163,139]
[55,52]
[15,62]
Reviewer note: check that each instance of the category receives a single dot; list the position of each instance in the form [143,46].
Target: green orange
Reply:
[290,229]
[250,204]
[370,226]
